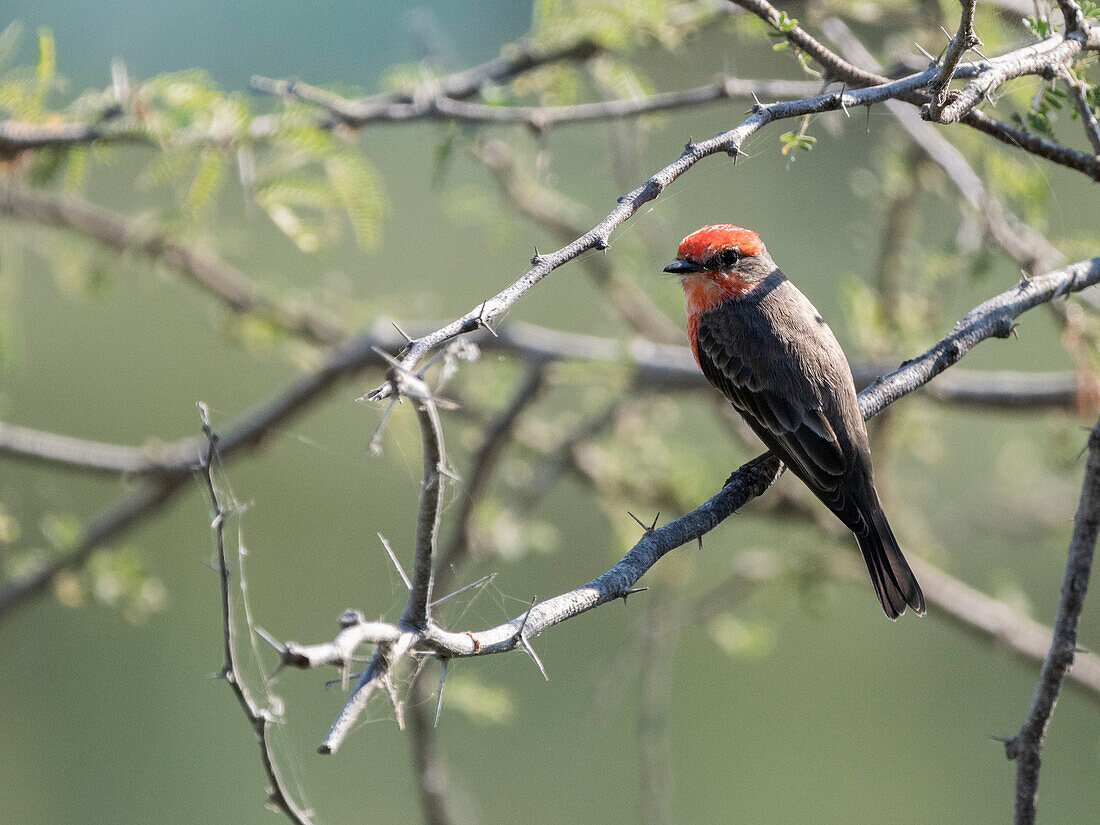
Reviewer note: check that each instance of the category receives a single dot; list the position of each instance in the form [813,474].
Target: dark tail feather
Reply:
[894,582]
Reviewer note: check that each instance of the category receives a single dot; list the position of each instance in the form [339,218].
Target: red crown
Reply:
[702,243]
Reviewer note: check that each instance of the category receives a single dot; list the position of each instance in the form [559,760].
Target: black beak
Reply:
[682,267]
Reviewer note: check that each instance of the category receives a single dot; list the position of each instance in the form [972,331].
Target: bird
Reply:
[765,347]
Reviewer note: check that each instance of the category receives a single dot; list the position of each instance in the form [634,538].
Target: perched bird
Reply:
[762,343]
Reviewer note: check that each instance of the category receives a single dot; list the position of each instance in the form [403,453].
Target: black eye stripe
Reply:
[724,259]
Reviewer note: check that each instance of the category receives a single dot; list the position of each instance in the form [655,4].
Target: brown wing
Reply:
[787,408]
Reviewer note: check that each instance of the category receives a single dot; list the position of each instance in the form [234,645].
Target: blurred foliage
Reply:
[287,162]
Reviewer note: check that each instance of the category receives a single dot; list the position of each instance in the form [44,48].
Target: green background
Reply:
[847,718]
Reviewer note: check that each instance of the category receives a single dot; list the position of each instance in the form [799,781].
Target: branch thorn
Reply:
[439,699]
[396,563]
[526,616]
[924,51]
[648,528]
[531,652]
[404,334]
[481,315]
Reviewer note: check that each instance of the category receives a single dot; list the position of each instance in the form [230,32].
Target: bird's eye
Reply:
[729,257]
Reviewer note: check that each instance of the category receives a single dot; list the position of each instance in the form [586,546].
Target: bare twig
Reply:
[962,42]
[261,719]
[431,500]
[552,211]
[539,118]
[1026,747]
[1088,117]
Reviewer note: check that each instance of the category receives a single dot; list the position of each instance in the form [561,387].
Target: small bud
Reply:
[350,618]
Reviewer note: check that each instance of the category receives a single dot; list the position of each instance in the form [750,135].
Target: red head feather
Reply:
[702,243]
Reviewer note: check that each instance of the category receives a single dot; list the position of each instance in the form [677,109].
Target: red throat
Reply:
[706,290]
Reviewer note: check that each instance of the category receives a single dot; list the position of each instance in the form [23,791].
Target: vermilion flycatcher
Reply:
[767,349]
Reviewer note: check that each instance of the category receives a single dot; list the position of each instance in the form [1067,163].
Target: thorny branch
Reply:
[416,618]
[260,718]
[1026,747]
[538,118]
[660,367]
[994,318]
[1022,242]
[552,211]
[431,499]
[1040,58]
[960,44]
[597,238]
[1033,59]
[1084,109]
[875,89]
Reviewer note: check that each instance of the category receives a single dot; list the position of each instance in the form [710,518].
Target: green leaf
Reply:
[47,57]
[206,181]
[355,183]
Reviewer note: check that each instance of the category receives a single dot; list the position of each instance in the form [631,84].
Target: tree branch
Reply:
[550,210]
[198,264]
[964,40]
[75,453]
[1039,58]
[597,238]
[1088,118]
[431,499]
[993,318]
[1026,747]
[1022,242]
[439,106]
[837,68]
[261,719]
